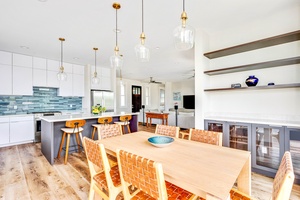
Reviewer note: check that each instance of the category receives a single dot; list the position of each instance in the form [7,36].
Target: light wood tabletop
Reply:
[197,167]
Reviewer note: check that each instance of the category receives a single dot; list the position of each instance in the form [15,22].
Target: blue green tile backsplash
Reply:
[43,99]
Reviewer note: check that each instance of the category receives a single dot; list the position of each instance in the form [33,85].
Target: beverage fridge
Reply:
[103,98]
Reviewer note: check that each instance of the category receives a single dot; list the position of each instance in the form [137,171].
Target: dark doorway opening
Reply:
[136,98]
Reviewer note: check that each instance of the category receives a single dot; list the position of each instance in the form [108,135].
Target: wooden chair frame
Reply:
[100,164]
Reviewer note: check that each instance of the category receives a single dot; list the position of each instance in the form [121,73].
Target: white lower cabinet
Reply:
[4,133]
[21,129]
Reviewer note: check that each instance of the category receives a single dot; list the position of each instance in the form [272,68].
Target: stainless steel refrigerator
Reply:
[103,98]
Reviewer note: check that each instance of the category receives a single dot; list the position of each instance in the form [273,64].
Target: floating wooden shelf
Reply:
[294,85]
[262,65]
[267,42]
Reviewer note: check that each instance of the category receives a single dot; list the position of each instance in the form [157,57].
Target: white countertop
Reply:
[81,116]
[272,122]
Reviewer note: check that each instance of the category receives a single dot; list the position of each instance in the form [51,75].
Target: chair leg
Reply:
[67,148]
[128,128]
[61,144]
[78,143]
[93,134]
[92,191]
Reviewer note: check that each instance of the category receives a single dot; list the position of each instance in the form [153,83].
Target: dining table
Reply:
[206,170]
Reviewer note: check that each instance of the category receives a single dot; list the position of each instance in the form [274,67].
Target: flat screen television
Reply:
[189,101]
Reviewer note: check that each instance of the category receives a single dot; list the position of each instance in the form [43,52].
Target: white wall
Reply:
[185,88]
[282,104]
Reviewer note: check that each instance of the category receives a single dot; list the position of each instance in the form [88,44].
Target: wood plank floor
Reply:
[26,174]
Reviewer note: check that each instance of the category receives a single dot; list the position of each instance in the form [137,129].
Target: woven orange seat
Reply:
[147,176]
[166,130]
[104,179]
[209,137]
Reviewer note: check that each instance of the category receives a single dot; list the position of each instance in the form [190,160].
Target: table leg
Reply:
[244,179]
[166,121]
[146,121]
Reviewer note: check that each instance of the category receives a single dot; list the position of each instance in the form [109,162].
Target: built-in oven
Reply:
[38,124]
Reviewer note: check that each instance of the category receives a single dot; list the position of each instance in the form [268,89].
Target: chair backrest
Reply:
[142,173]
[125,118]
[209,137]
[172,131]
[75,123]
[284,178]
[109,130]
[105,120]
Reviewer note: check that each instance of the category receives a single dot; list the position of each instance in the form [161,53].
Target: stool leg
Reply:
[93,134]
[67,148]
[78,142]
[128,128]
[61,144]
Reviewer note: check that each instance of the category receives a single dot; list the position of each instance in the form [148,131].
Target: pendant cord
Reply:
[142,16]
[61,53]
[116,27]
[95,59]
[183,6]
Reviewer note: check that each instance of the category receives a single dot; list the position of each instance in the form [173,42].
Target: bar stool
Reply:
[72,127]
[101,121]
[124,121]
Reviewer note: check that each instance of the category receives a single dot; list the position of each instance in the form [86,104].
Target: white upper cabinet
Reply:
[78,69]
[39,72]
[22,60]
[22,75]
[5,73]
[104,74]
[78,85]
[5,58]
[68,68]
[66,87]
[52,70]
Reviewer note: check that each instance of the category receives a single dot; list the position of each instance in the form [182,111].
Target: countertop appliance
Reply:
[103,98]
[37,122]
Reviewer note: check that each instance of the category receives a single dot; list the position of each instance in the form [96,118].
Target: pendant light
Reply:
[184,34]
[61,75]
[141,51]
[95,79]
[116,60]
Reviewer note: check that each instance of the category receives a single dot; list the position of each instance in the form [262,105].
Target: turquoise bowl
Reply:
[160,141]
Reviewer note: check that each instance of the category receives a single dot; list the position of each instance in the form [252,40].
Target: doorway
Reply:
[136,97]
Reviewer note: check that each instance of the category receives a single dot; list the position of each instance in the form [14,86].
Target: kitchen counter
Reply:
[293,123]
[51,133]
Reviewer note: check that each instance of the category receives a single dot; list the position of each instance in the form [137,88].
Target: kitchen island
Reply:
[51,133]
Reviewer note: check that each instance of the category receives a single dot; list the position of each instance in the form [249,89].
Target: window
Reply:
[162,97]
[147,96]
[122,94]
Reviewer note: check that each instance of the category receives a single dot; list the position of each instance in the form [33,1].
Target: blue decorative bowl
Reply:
[160,141]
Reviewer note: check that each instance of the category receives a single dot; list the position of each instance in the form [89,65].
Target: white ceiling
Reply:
[90,23]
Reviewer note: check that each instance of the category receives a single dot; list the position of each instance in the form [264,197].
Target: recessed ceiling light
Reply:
[117,30]
[24,47]
[156,48]
[75,58]
[42,0]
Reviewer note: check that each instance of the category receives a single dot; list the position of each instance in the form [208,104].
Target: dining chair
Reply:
[282,184]
[209,137]
[147,176]
[71,127]
[125,121]
[172,131]
[105,180]
[101,121]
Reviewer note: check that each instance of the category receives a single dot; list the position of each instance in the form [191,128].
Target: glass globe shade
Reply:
[95,80]
[61,76]
[142,53]
[184,37]
[116,61]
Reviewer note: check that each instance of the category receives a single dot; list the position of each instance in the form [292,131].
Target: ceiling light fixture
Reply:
[95,79]
[184,34]
[141,51]
[61,75]
[116,60]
